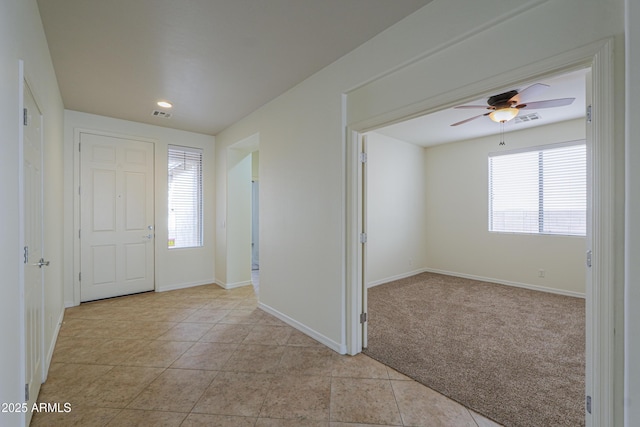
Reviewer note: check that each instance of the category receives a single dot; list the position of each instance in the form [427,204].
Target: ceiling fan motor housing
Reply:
[502,100]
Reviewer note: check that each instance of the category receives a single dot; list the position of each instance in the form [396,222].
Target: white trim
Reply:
[353,257]
[53,344]
[397,277]
[479,278]
[21,284]
[508,283]
[631,401]
[225,285]
[335,346]
[236,284]
[601,294]
[177,286]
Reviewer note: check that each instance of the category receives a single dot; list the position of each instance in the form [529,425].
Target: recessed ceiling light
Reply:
[164,104]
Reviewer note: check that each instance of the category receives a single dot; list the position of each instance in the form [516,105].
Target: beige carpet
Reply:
[511,354]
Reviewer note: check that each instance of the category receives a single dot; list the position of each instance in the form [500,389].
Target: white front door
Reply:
[116,216]
[33,254]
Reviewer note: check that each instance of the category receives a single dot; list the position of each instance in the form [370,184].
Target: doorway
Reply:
[600,313]
[242,213]
[426,212]
[116,216]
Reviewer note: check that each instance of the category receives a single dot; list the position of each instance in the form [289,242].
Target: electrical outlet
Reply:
[541,274]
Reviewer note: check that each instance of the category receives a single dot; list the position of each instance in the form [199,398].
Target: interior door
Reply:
[33,243]
[116,216]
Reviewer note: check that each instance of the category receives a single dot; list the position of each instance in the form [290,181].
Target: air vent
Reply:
[527,118]
[163,114]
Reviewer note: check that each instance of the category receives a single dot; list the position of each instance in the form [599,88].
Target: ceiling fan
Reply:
[505,106]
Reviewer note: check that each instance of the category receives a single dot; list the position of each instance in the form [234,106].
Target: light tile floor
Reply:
[205,356]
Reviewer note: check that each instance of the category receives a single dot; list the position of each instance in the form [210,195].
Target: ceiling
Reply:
[435,128]
[215,60]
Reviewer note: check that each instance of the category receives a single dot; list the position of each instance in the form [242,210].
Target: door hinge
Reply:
[79,233]
[26,392]
[588,258]
[26,254]
[25,117]
[79,145]
[80,277]
[588,114]
[363,237]
[588,404]
[363,157]
[363,317]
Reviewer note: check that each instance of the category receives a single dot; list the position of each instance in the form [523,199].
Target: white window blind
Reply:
[541,190]
[185,197]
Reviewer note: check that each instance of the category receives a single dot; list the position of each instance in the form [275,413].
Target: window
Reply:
[185,197]
[541,190]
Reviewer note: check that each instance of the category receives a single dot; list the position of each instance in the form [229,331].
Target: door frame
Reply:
[255,224]
[600,293]
[76,202]
[25,80]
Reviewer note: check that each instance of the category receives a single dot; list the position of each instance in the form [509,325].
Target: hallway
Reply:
[205,356]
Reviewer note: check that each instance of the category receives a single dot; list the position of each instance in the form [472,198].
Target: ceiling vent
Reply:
[527,118]
[163,114]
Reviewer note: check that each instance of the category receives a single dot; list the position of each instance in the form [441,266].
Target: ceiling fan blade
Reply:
[469,119]
[549,103]
[470,106]
[529,93]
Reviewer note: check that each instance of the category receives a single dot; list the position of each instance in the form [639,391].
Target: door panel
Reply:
[135,212]
[116,202]
[104,207]
[33,253]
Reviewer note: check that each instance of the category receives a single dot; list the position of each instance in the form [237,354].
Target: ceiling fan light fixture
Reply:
[503,114]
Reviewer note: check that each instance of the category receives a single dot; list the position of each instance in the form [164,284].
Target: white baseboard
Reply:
[335,346]
[184,285]
[508,283]
[236,284]
[396,277]
[52,345]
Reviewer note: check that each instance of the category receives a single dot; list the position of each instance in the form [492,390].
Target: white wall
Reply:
[175,268]
[22,38]
[457,237]
[423,60]
[397,209]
